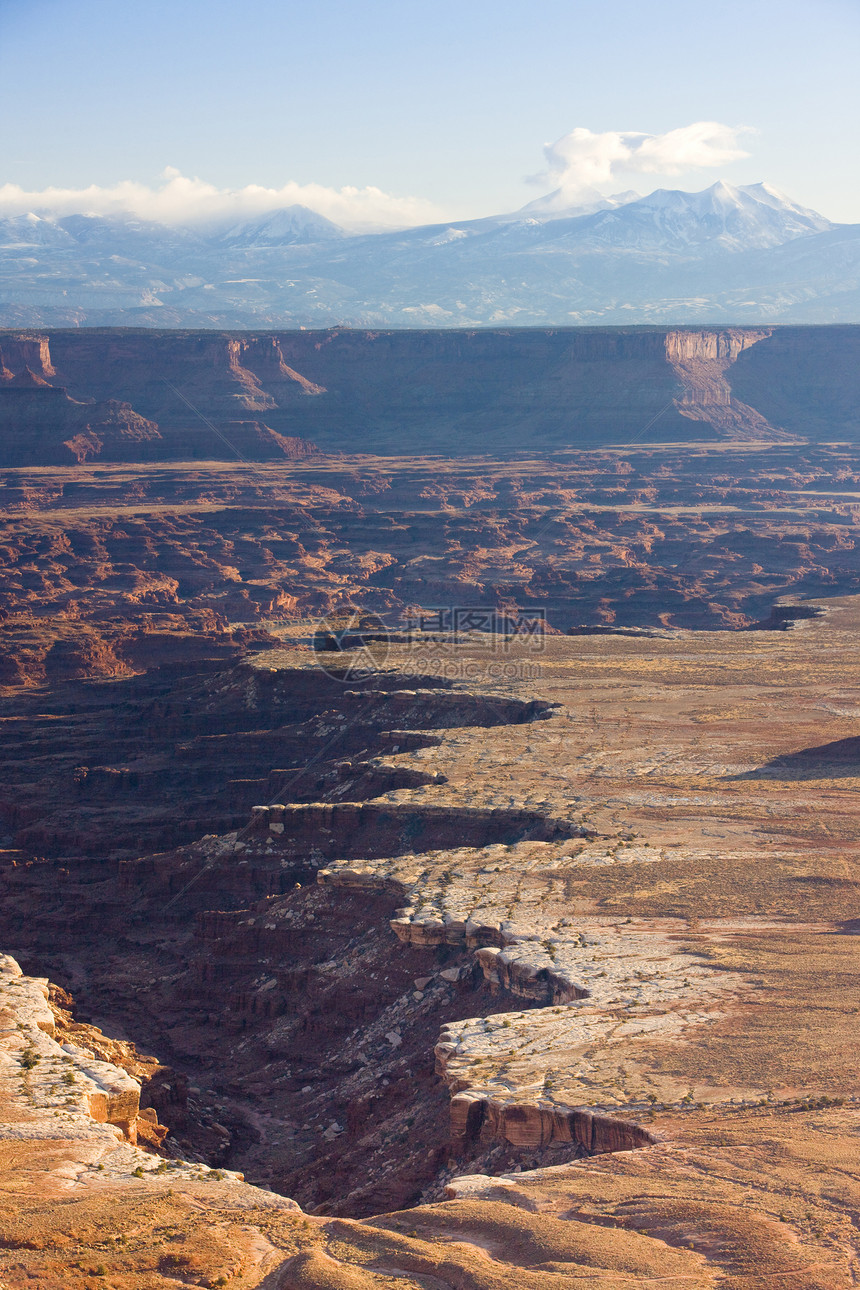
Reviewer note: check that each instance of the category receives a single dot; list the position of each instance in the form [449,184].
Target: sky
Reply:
[393,112]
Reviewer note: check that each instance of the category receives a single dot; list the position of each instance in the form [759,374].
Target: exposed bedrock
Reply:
[70,1070]
[345,1019]
[312,981]
[806,379]
[710,990]
[702,362]
[306,1033]
[480,1121]
[224,375]
[41,422]
[372,829]
[111,571]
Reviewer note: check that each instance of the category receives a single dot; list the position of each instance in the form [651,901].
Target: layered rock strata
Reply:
[61,1090]
[430,391]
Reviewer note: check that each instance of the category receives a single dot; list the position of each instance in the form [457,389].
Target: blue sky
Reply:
[448,105]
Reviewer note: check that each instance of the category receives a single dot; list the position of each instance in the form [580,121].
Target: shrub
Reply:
[177,1261]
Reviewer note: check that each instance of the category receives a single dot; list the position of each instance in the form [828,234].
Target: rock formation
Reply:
[400,391]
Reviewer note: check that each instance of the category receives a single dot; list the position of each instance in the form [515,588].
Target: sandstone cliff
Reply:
[461,392]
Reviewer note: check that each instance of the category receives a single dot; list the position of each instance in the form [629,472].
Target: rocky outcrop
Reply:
[38,421]
[77,1146]
[567,1030]
[41,421]
[806,379]
[222,738]
[264,357]
[369,829]
[702,361]
[537,893]
[113,431]
[287,844]
[22,355]
[258,442]
[495,1099]
[61,1074]
[481,1120]
[224,376]
[113,572]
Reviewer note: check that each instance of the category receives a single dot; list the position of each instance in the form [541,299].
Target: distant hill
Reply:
[745,255]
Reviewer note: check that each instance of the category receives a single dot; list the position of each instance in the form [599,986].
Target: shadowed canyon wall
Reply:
[416,391]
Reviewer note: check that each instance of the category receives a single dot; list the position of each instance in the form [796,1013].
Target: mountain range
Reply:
[726,254]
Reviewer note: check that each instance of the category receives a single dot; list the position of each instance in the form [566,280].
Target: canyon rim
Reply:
[430,807]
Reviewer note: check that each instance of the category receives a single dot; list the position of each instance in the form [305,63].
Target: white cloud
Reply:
[582,161]
[180,200]
[579,164]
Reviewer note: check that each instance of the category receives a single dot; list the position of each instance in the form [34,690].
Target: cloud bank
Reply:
[581,162]
[181,200]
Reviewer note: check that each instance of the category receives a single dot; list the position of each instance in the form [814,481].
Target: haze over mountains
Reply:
[726,254]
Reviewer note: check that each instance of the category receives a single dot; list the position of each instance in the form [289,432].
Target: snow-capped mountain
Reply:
[100,235]
[557,204]
[292,226]
[27,232]
[726,254]
[737,219]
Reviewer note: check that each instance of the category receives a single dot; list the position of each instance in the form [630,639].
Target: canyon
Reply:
[429,865]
